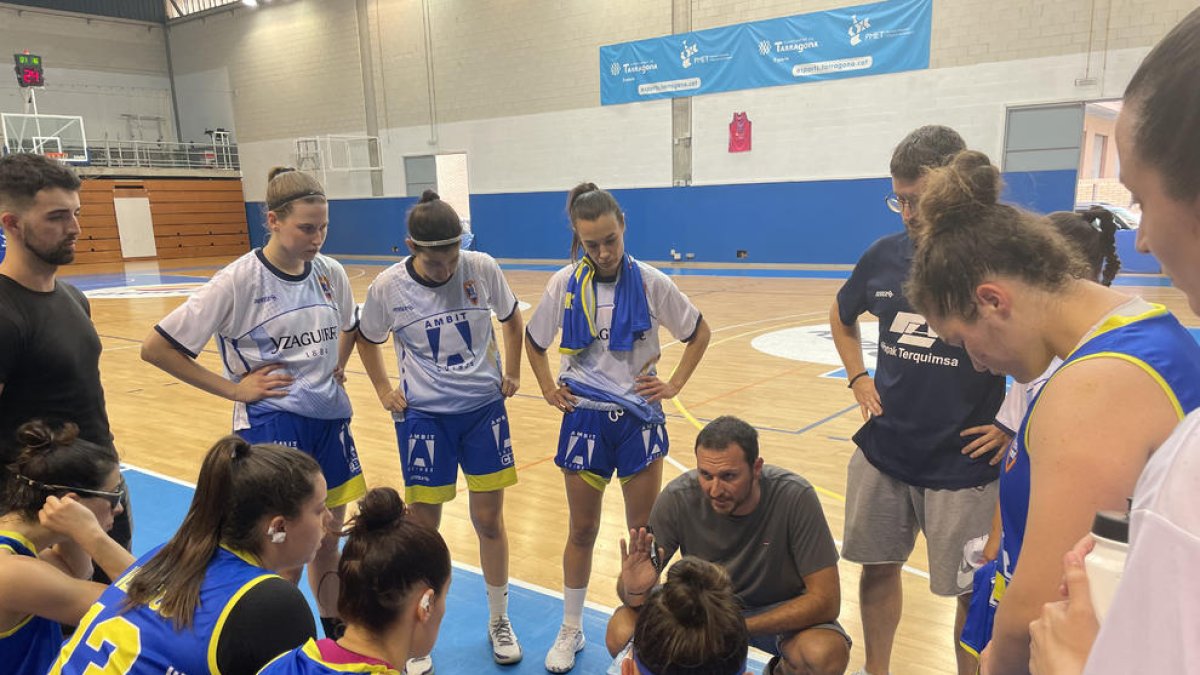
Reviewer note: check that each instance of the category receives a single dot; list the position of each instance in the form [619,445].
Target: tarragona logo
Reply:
[914,331]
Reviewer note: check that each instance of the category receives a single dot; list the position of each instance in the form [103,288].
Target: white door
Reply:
[135,227]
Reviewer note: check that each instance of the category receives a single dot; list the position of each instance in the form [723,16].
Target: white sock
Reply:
[573,599]
[497,601]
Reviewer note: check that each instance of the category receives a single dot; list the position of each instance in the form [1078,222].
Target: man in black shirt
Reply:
[49,349]
[926,454]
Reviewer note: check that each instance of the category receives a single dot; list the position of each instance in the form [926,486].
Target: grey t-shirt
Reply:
[767,552]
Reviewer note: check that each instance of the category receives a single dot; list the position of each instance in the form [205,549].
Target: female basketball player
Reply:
[692,624]
[1153,621]
[395,574]
[279,314]
[449,408]
[609,307]
[1004,285]
[1093,236]
[57,501]
[208,600]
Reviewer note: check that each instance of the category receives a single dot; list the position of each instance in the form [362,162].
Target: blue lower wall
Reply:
[830,222]
[1131,260]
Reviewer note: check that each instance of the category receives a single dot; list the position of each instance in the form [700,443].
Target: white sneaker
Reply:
[505,648]
[419,666]
[561,657]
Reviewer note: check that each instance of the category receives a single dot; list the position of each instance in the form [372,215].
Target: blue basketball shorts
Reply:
[327,441]
[433,446]
[595,443]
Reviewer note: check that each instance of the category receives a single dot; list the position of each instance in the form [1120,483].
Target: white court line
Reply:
[557,595]
[907,568]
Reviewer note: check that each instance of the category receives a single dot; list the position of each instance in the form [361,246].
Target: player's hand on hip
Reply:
[868,399]
[509,385]
[263,382]
[561,398]
[653,389]
[991,438]
[394,400]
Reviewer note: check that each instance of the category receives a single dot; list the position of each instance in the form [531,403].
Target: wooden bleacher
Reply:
[192,217]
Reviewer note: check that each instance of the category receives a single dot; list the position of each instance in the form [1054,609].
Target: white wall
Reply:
[516,86]
[97,68]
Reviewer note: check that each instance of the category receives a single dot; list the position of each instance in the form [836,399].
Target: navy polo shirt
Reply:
[929,390]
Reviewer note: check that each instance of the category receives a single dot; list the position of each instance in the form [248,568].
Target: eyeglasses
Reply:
[898,203]
[113,498]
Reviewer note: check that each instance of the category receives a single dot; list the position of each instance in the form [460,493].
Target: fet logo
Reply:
[764,47]
[615,69]
[686,54]
[857,26]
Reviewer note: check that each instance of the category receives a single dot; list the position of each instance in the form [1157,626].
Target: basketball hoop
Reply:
[60,156]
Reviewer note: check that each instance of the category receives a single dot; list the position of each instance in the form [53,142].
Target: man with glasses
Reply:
[49,349]
[925,452]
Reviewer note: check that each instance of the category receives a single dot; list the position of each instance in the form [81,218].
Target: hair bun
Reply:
[276,170]
[380,509]
[956,194]
[38,434]
[692,587]
[428,196]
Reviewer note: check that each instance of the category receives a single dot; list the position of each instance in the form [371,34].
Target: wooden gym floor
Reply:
[805,423]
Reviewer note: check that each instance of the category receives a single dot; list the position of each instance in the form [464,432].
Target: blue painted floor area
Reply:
[159,507]
[88,282]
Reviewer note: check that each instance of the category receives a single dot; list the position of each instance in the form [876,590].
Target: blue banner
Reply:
[885,37]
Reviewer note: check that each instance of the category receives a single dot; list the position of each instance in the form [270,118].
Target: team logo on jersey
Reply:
[914,330]
[503,441]
[325,287]
[469,289]
[1010,460]
[450,350]
[654,440]
[580,447]
[421,453]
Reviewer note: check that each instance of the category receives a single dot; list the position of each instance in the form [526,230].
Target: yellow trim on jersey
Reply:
[32,548]
[347,492]
[85,625]
[14,629]
[425,494]
[248,558]
[1118,320]
[312,651]
[1149,370]
[220,625]
[594,479]
[21,538]
[490,482]
[968,649]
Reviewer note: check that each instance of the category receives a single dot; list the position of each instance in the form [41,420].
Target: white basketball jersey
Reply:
[615,372]
[262,315]
[443,334]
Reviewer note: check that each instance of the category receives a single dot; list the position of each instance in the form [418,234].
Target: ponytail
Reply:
[239,485]
[588,202]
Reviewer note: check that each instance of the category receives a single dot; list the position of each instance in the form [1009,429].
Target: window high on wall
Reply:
[181,8]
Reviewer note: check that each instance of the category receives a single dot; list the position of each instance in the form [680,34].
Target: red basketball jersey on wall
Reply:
[739,133]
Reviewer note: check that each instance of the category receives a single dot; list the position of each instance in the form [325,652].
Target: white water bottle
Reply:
[1106,562]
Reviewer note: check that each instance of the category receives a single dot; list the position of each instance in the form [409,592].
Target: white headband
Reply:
[440,242]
